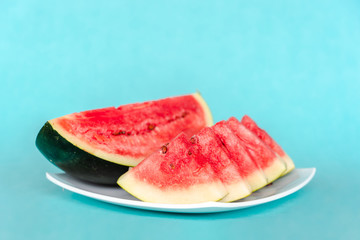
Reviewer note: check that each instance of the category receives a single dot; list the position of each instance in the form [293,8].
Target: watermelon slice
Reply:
[266,138]
[224,162]
[96,145]
[214,152]
[272,166]
[247,168]
[175,174]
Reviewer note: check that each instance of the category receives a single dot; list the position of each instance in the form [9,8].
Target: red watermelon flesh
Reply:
[127,134]
[237,152]
[272,166]
[213,151]
[266,138]
[175,174]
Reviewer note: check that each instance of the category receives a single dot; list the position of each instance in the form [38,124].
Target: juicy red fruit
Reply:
[175,176]
[136,130]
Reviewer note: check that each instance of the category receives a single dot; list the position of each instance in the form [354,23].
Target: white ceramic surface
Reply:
[282,187]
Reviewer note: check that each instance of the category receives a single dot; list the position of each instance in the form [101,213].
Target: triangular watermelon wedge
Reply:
[214,152]
[272,165]
[99,145]
[266,138]
[175,174]
[248,169]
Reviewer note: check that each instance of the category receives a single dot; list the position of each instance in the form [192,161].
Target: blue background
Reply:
[294,66]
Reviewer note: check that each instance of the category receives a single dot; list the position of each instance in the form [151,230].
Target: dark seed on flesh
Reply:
[192,140]
[184,114]
[151,126]
[118,133]
[164,149]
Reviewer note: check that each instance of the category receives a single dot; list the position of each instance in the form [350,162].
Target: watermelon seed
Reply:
[164,149]
[183,115]
[189,152]
[172,166]
[151,126]
[193,140]
[118,133]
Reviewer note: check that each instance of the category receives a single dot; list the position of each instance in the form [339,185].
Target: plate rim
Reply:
[206,207]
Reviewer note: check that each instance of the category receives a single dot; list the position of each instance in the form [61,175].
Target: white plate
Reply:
[282,187]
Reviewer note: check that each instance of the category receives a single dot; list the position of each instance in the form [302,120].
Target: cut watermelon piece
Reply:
[176,174]
[266,138]
[90,144]
[247,168]
[272,166]
[213,151]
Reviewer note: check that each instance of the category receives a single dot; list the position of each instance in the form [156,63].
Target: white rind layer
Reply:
[256,180]
[275,170]
[289,164]
[236,191]
[191,194]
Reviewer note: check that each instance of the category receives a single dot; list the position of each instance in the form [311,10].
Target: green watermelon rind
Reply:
[75,161]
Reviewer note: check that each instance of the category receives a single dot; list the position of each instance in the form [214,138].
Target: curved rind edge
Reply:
[75,161]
